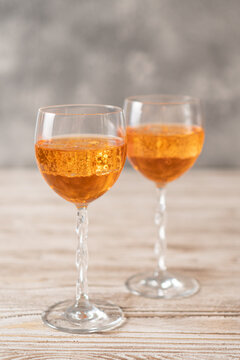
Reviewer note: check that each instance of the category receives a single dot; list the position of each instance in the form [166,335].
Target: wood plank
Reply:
[37,245]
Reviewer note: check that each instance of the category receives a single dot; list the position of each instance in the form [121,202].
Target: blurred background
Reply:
[100,51]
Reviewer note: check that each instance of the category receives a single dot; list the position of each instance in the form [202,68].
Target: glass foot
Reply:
[83,319]
[162,285]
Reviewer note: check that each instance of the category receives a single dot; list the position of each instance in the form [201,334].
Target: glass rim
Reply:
[112,109]
[171,99]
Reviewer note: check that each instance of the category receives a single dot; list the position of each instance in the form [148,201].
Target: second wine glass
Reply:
[165,136]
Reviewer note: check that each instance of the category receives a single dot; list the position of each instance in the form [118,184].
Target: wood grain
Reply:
[37,244]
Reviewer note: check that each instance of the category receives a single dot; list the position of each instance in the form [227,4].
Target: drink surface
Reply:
[164,152]
[81,168]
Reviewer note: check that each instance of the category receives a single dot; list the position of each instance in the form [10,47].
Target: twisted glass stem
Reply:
[82,255]
[160,221]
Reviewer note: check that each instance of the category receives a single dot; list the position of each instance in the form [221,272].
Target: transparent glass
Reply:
[80,151]
[165,136]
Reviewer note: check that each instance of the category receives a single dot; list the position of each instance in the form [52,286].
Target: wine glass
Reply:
[80,151]
[165,136]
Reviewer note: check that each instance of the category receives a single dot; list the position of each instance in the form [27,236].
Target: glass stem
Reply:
[160,221]
[82,256]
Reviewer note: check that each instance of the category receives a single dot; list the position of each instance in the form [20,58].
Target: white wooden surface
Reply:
[37,245]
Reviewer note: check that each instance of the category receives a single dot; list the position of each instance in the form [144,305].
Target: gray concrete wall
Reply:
[99,51]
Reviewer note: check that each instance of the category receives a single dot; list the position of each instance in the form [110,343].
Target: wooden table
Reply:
[37,267]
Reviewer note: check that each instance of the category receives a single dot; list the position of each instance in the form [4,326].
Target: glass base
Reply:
[162,285]
[84,318]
